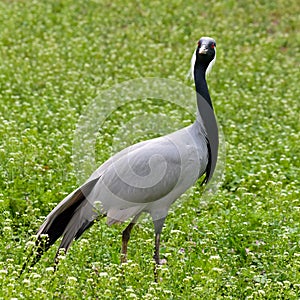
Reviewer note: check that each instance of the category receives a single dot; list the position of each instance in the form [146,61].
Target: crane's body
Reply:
[146,177]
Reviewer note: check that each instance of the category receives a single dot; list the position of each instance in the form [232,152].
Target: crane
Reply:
[146,177]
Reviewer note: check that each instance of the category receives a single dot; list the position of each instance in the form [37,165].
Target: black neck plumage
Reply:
[201,85]
[207,118]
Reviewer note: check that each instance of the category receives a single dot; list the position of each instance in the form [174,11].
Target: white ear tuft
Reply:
[190,74]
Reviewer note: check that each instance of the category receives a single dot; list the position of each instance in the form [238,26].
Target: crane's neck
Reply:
[201,85]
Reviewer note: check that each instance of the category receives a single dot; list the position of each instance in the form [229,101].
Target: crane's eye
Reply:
[199,43]
[212,46]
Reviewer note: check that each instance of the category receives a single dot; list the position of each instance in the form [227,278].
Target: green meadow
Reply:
[243,242]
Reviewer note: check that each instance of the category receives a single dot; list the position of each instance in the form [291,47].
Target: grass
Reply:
[56,56]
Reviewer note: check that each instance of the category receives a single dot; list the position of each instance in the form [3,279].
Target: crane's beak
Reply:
[203,49]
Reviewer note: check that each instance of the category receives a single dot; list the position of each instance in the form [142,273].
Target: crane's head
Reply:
[205,54]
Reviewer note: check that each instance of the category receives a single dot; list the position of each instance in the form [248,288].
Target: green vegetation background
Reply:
[55,57]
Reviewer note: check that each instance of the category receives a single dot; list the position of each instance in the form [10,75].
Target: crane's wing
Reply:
[145,174]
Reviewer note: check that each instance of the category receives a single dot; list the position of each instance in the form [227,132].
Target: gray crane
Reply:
[146,177]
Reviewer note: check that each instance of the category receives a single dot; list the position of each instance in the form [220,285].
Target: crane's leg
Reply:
[156,249]
[158,225]
[126,237]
